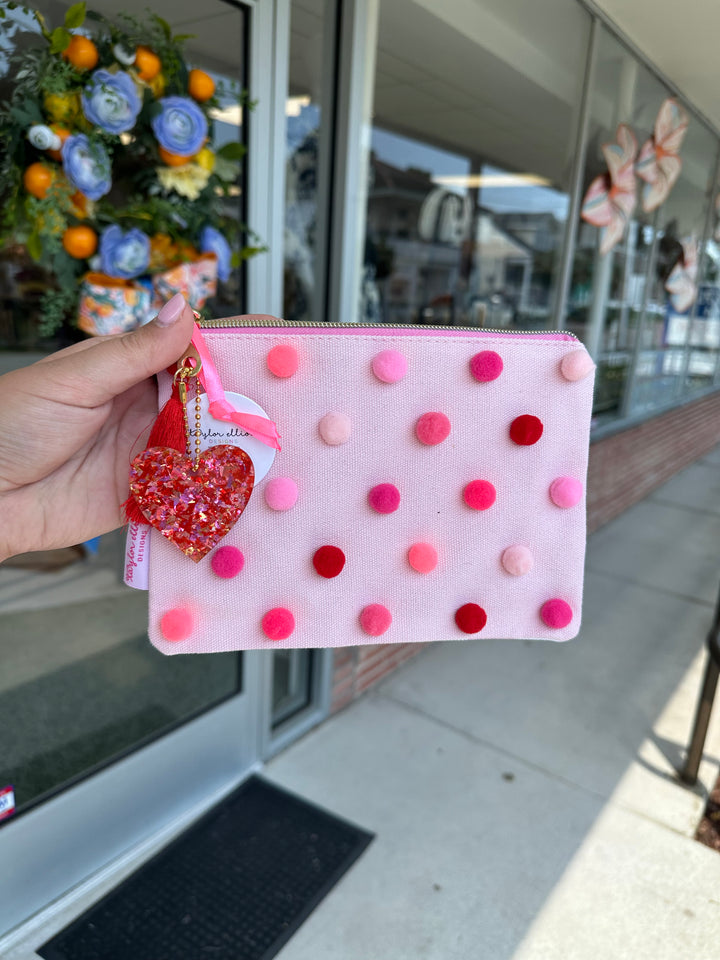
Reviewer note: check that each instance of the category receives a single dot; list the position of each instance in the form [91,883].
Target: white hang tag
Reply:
[215,432]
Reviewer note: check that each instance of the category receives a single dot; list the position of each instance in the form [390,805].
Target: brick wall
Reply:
[623,469]
[627,466]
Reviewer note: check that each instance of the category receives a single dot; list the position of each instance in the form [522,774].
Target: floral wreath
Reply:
[108,178]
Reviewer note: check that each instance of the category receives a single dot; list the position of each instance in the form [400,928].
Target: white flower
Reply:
[123,55]
[43,138]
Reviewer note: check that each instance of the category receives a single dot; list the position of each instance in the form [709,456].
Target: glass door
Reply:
[103,740]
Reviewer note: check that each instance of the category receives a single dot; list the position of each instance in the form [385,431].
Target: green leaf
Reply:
[165,26]
[75,16]
[232,151]
[59,40]
[34,246]
[182,37]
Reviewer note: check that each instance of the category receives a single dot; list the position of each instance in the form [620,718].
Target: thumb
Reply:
[109,366]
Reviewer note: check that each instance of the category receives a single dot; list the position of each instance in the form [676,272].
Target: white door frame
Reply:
[117,813]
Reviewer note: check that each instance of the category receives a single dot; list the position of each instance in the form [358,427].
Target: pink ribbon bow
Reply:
[261,428]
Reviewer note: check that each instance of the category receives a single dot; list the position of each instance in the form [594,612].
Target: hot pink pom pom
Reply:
[422,557]
[556,614]
[282,360]
[334,428]
[385,498]
[479,494]
[486,366]
[177,624]
[375,619]
[278,623]
[566,492]
[432,428]
[227,562]
[281,493]
[517,560]
[389,366]
[576,365]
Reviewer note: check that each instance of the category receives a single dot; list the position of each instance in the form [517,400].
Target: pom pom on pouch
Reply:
[227,562]
[282,360]
[470,618]
[432,428]
[556,614]
[177,624]
[389,366]
[375,619]
[278,623]
[384,498]
[486,366]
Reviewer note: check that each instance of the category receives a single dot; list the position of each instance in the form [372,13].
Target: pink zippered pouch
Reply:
[430,486]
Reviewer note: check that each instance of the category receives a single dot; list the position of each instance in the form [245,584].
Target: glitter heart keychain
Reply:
[193,500]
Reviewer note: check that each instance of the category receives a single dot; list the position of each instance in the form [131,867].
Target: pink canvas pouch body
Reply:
[539,378]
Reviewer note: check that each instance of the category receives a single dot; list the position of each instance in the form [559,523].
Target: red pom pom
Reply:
[432,428]
[479,494]
[385,498]
[329,561]
[375,619]
[470,618]
[278,623]
[526,430]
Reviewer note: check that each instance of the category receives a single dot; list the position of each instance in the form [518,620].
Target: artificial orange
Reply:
[172,159]
[147,63]
[200,86]
[63,133]
[80,242]
[37,179]
[79,205]
[81,52]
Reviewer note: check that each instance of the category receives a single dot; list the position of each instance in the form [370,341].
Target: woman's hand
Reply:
[69,427]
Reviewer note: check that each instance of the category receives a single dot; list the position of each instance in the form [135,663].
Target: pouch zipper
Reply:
[297,325]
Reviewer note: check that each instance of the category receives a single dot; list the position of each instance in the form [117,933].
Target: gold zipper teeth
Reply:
[285,324]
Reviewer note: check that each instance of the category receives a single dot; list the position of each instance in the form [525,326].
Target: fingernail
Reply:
[171,311]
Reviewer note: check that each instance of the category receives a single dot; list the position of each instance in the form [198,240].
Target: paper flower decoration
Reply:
[87,166]
[111,101]
[611,197]
[681,283]
[659,164]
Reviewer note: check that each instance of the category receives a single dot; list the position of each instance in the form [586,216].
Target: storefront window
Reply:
[307,161]
[80,683]
[475,117]
[621,301]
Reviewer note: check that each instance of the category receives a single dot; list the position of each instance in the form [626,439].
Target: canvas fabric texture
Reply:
[335,375]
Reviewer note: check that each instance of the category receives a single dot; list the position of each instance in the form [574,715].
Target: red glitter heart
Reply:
[193,507]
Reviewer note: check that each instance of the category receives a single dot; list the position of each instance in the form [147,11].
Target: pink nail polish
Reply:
[171,311]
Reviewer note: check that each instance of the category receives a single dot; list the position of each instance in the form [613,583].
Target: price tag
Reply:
[7,802]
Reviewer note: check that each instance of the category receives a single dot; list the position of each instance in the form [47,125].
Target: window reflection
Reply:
[469,165]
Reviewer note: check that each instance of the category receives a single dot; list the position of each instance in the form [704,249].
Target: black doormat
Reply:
[234,886]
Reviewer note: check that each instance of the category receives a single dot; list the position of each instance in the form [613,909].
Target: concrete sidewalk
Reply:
[523,794]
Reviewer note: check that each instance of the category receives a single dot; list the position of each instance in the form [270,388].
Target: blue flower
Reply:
[212,241]
[111,101]
[125,255]
[180,126]
[87,166]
